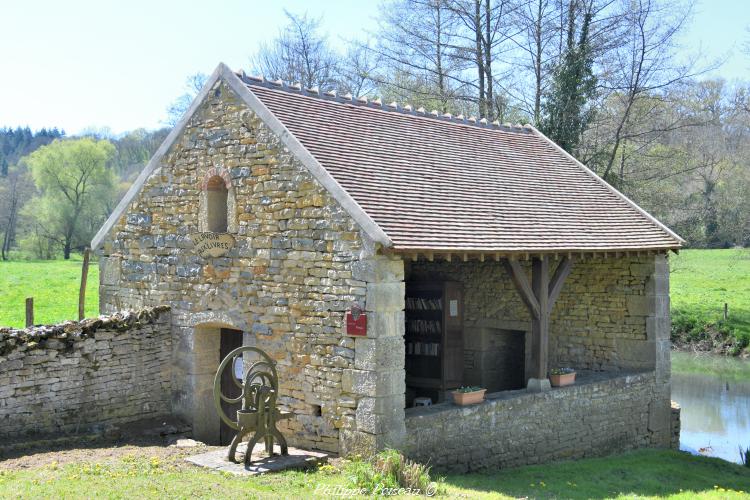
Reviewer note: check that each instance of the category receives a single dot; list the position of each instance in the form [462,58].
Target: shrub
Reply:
[389,469]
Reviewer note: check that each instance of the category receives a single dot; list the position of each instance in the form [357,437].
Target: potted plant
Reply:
[560,377]
[468,395]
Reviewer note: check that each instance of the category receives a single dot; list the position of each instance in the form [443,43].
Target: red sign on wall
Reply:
[356,322]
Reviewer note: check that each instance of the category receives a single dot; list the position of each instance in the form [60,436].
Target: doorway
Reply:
[229,340]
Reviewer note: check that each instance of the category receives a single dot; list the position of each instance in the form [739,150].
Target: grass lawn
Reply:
[646,474]
[702,281]
[54,286]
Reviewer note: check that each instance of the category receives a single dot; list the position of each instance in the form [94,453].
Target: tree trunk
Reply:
[538,65]
[11,225]
[439,61]
[479,58]
[67,246]
[488,60]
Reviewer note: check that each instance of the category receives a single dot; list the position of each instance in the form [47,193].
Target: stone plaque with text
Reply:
[212,244]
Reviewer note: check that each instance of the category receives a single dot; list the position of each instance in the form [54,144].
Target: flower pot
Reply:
[468,398]
[562,380]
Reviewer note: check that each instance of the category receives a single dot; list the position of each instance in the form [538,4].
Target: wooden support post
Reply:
[540,297]
[540,324]
[84,277]
[29,311]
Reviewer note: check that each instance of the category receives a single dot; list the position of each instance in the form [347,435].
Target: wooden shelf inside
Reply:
[434,320]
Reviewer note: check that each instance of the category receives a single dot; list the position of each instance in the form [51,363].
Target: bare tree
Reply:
[17,189]
[357,73]
[536,37]
[642,68]
[193,85]
[485,35]
[299,53]
[417,50]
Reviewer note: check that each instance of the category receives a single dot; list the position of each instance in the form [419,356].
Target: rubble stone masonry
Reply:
[76,377]
[286,283]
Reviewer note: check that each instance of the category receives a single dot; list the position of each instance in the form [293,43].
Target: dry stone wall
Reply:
[286,283]
[76,376]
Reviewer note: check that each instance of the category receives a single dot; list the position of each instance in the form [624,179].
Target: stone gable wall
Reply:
[77,376]
[286,283]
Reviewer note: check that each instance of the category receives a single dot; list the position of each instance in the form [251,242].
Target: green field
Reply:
[702,281]
[641,474]
[53,285]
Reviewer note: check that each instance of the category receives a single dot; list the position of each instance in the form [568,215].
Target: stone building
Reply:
[479,254]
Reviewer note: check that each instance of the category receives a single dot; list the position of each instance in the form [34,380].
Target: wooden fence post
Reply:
[84,277]
[726,311]
[29,311]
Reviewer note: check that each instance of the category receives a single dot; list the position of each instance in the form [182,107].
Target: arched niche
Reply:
[218,207]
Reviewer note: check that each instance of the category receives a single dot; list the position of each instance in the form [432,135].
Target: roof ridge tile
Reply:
[393,106]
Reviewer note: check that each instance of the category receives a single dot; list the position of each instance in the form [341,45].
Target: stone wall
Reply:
[675,426]
[286,283]
[600,322]
[76,376]
[602,414]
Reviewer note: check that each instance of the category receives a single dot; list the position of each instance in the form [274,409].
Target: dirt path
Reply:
[104,451]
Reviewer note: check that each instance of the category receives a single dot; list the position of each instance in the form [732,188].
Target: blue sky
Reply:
[82,63]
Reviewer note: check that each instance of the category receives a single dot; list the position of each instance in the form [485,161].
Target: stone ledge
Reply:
[585,381]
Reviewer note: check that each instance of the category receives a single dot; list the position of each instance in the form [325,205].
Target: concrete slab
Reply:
[262,463]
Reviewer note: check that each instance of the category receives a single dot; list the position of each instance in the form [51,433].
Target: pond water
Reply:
[714,393]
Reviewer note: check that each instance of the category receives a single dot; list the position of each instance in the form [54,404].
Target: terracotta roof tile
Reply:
[441,183]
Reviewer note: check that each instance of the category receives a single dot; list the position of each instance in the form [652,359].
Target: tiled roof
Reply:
[438,183]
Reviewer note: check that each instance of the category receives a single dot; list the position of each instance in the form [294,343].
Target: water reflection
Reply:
[714,394]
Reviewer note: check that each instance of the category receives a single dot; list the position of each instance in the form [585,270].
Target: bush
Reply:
[717,335]
[389,469]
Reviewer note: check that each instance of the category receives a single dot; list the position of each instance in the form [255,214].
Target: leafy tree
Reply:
[566,112]
[73,178]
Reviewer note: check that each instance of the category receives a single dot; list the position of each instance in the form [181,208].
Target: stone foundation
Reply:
[77,377]
[602,414]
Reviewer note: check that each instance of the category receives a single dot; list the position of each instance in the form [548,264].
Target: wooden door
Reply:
[229,341]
